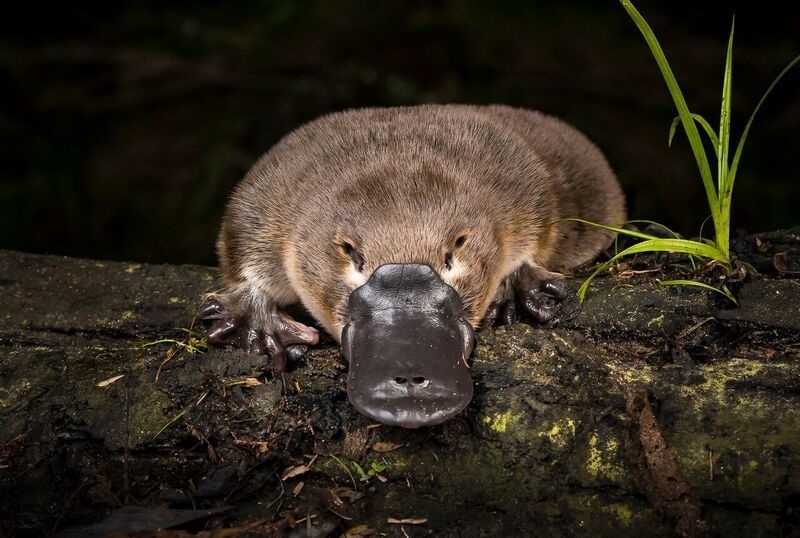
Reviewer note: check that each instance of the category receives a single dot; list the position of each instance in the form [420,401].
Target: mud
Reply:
[652,411]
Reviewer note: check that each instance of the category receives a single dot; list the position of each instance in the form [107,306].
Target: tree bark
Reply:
[653,411]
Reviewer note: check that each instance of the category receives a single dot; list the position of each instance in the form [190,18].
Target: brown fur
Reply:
[402,185]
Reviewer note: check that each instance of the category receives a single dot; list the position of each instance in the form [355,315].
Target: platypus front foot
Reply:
[279,337]
[539,292]
[530,290]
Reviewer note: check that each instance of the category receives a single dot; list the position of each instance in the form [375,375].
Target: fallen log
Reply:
[652,411]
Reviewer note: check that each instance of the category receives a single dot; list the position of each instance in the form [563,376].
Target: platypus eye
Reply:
[448,258]
[358,259]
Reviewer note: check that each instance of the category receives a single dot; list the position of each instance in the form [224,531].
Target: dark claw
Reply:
[509,316]
[295,352]
[277,353]
[212,310]
[222,331]
[540,292]
[491,315]
[541,308]
[555,289]
[250,341]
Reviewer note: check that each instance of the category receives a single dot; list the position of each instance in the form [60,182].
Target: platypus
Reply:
[402,231]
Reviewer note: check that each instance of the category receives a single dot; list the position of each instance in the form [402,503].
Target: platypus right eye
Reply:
[355,256]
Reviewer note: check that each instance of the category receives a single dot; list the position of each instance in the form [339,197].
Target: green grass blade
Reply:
[346,469]
[725,194]
[703,225]
[684,246]
[722,223]
[654,223]
[703,123]
[674,234]
[622,231]
[725,119]
[735,162]
[631,233]
[724,291]
[680,103]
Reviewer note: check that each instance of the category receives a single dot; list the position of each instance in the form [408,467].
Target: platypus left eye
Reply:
[355,255]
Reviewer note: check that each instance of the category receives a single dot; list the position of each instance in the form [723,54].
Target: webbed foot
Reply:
[283,337]
[530,291]
[540,292]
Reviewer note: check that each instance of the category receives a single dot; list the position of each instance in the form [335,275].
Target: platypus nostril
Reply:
[400,380]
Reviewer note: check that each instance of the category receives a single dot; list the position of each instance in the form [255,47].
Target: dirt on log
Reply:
[653,411]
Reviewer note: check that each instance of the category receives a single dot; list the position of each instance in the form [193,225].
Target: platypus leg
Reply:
[531,289]
[275,334]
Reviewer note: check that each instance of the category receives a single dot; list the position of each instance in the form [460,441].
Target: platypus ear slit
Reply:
[458,242]
[355,255]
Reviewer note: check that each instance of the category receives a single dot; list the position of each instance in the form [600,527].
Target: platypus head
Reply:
[408,301]
[402,274]
[407,341]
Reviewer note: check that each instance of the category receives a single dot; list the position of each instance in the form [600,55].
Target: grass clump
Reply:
[719,190]
[194,343]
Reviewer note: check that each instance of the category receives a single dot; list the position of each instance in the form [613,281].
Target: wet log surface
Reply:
[654,411]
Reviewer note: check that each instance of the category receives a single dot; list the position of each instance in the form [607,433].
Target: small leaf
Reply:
[291,472]
[360,470]
[332,502]
[408,521]
[375,467]
[107,382]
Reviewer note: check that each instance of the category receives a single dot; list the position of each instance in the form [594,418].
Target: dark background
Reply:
[124,126]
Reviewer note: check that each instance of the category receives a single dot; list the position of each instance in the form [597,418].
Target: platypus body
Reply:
[402,231]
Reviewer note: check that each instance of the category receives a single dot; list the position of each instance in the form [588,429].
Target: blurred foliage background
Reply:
[124,125]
